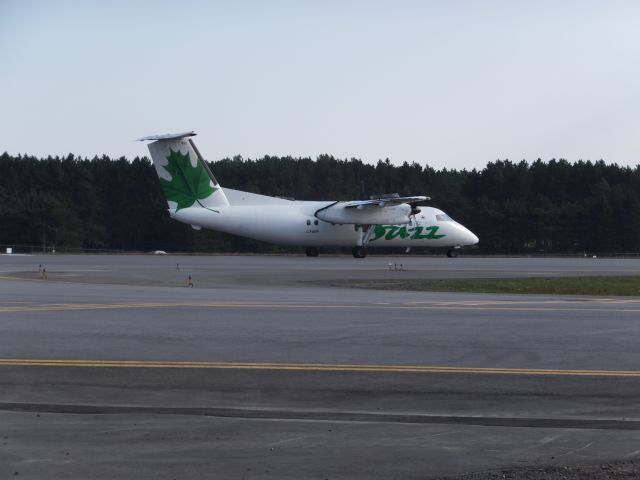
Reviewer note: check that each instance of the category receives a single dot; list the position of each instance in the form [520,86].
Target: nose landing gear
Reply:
[452,253]
[311,252]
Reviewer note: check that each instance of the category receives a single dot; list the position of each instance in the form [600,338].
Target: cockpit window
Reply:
[443,217]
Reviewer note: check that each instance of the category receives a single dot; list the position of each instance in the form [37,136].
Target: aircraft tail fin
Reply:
[185,177]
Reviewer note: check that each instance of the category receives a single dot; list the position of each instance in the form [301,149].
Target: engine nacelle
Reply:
[370,215]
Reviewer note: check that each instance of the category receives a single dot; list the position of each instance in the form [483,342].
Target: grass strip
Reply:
[601,285]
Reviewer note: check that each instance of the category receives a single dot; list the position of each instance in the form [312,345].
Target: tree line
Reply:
[514,207]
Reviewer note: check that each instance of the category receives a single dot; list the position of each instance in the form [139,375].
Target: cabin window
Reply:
[315,222]
[308,222]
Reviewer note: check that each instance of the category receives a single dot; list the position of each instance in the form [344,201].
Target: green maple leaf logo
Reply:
[188,184]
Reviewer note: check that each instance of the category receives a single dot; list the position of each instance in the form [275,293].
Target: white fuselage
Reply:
[289,222]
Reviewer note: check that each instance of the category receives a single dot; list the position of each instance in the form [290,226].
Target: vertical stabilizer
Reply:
[185,177]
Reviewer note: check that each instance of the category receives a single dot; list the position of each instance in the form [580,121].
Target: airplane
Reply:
[195,197]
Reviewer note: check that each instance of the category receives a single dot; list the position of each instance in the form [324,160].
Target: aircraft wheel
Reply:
[312,252]
[452,253]
[359,252]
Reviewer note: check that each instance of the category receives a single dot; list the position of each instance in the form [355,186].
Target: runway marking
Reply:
[312,367]
[585,305]
[533,301]
[111,306]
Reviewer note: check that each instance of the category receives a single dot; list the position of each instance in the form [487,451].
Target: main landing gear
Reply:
[312,251]
[363,234]
[359,252]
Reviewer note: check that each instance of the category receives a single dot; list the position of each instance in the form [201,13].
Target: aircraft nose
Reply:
[472,238]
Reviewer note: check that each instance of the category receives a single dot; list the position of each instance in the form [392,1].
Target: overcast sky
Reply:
[451,84]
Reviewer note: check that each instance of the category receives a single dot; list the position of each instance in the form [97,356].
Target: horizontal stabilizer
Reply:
[168,136]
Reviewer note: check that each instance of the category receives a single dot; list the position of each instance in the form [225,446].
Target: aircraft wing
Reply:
[383,202]
[384,209]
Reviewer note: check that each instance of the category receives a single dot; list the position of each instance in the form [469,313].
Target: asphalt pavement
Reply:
[114,368]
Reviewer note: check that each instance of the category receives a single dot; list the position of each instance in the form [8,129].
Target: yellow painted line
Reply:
[435,306]
[109,306]
[312,367]
[38,278]
[584,302]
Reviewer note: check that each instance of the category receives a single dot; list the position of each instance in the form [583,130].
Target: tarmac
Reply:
[113,367]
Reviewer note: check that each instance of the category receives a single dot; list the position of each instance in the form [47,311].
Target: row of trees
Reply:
[103,203]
